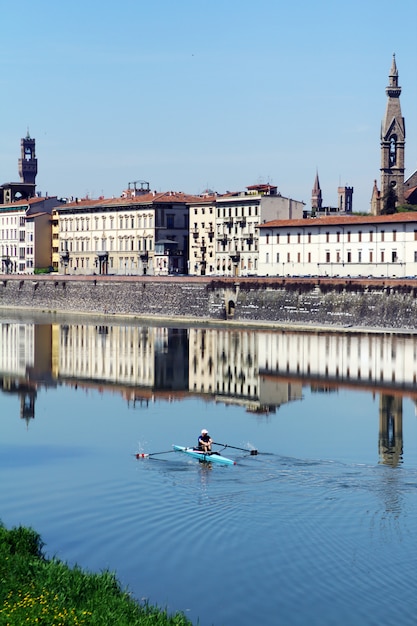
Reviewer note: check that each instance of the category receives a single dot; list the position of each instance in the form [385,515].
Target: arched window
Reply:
[393,150]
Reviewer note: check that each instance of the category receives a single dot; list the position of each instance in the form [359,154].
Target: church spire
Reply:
[392,144]
[316,198]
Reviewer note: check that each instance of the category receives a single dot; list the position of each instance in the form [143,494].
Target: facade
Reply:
[134,235]
[224,229]
[202,253]
[379,246]
[25,235]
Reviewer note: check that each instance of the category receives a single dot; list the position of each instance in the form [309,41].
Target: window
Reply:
[170,220]
[360,235]
[288,237]
[327,237]
[298,257]
[267,239]
[348,236]
[338,237]
[278,256]
[371,235]
[309,237]
[298,238]
[278,238]
[309,257]
[394,235]
[371,256]
[349,256]
[288,257]
[327,257]
[382,256]
[382,235]
[394,257]
[359,256]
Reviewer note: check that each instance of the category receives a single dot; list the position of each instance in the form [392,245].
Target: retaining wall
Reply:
[262,301]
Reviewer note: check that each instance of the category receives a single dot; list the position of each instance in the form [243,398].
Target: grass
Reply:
[36,590]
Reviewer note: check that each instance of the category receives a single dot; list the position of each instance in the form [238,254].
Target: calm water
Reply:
[319,528]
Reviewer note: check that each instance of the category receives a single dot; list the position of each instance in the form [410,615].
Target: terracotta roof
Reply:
[29,201]
[29,217]
[409,192]
[344,220]
[168,197]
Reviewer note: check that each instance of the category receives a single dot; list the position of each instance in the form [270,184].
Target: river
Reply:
[319,527]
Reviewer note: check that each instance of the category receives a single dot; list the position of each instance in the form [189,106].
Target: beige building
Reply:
[224,229]
[356,246]
[132,235]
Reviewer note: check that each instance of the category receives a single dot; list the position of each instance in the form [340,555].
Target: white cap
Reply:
[204,432]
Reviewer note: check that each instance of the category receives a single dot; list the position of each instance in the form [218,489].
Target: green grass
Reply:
[35,590]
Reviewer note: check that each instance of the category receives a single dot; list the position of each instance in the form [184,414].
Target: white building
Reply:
[224,229]
[356,246]
[25,235]
[134,235]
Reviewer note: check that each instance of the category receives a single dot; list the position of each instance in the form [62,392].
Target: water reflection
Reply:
[259,370]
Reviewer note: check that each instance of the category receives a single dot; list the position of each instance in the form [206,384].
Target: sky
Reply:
[204,94]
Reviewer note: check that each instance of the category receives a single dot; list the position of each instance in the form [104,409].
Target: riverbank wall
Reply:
[332,303]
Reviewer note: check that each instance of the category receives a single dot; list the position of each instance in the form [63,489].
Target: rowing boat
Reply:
[206,457]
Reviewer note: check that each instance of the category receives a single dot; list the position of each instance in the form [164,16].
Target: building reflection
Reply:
[390,429]
[258,370]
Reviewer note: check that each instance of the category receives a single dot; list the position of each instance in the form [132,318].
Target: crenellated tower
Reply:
[28,163]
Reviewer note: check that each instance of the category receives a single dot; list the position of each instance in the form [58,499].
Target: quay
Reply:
[313,302]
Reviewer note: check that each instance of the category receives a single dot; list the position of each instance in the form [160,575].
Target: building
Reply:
[28,168]
[138,234]
[25,235]
[344,200]
[224,229]
[355,246]
[394,190]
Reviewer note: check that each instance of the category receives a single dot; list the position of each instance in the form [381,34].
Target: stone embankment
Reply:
[317,302]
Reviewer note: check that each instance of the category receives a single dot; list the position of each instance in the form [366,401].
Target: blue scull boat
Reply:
[206,457]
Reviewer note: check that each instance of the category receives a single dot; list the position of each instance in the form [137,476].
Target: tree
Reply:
[389,202]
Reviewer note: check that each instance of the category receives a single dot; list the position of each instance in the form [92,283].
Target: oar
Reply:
[226,445]
[143,455]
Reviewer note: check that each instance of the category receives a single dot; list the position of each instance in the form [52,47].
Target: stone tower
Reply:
[392,146]
[28,163]
[316,197]
[344,204]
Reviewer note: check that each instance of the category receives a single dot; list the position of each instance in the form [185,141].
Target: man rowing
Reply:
[204,441]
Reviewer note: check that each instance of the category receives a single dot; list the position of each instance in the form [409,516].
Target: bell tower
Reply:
[316,197]
[28,163]
[392,147]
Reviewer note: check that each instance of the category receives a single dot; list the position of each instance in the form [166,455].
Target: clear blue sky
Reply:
[219,94]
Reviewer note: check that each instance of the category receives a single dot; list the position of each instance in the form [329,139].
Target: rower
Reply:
[204,441]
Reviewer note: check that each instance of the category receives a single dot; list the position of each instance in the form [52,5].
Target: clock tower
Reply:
[392,147]
[28,163]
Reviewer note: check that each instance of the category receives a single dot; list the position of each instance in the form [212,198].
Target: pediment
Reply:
[394,128]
